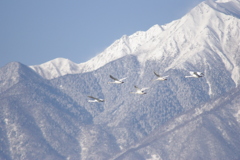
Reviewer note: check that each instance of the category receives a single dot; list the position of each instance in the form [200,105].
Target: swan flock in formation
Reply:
[141,91]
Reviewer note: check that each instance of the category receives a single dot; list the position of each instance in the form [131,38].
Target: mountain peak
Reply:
[15,69]
[56,67]
[179,44]
[13,72]
[155,28]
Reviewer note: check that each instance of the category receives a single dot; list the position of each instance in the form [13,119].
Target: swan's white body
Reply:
[140,90]
[195,74]
[118,81]
[95,99]
[160,78]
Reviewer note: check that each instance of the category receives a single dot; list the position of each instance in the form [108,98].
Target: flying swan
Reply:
[195,74]
[139,90]
[160,78]
[95,99]
[118,81]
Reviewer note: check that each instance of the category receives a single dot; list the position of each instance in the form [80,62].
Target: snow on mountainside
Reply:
[206,132]
[39,121]
[120,48]
[211,29]
[181,118]
[55,68]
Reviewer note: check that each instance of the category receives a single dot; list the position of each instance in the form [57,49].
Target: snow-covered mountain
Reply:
[38,121]
[57,67]
[180,118]
[209,33]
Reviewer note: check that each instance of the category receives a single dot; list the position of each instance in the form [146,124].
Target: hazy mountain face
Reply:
[39,121]
[180,118]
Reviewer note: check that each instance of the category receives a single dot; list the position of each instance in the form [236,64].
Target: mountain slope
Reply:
[207,132]
[39,121]
[199,41]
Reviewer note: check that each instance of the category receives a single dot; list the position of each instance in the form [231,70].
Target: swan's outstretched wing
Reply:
[143,89]
[157,74]
[122,79]
[138,89]
[113,78]
[93,97]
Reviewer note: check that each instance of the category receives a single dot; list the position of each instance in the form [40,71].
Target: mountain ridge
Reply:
[184,39]
[180,118]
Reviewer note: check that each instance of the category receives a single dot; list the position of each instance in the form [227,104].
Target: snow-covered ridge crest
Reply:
[55,68]
[124,46]
[206,35]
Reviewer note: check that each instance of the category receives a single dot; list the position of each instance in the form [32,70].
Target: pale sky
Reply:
[33,32]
